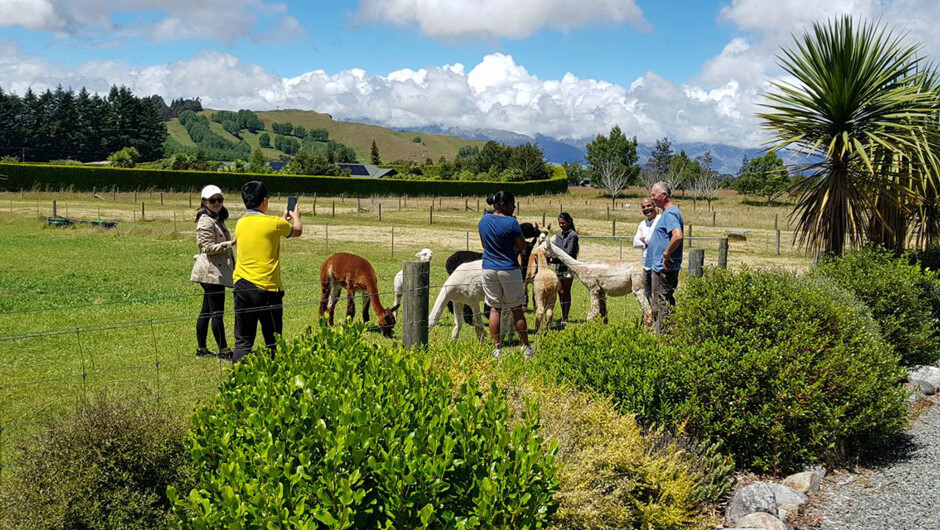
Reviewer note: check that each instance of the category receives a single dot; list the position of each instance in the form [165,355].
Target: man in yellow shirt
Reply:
[258,289]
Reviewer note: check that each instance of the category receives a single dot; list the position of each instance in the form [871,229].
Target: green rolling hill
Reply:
[392,145]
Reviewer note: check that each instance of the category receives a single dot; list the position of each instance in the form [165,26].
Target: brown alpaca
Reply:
[356,275]
[545,286]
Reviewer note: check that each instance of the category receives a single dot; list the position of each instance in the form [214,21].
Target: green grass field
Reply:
[84,309]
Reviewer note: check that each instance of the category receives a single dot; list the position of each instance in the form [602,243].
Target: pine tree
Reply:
[376,160]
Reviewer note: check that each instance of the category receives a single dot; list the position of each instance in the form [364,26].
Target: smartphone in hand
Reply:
[291,204]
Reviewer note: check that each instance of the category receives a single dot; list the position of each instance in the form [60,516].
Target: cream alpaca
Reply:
[603,279]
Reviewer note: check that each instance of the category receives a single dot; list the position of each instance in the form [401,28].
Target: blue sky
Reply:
[690,69]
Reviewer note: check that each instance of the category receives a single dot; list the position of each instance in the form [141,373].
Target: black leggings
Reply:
[213,307]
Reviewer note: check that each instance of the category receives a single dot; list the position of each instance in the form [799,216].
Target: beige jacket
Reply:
[215,262]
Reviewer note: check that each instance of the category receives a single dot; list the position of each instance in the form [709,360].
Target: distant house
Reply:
[276,166]
[368,170]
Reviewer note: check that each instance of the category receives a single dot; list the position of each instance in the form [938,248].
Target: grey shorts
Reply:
[503,289]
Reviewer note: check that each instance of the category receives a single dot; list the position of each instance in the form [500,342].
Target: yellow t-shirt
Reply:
[258,258]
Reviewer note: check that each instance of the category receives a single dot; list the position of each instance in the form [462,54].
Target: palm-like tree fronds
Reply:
[858,100]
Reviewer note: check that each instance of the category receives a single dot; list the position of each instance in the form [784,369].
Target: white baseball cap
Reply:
[210,190]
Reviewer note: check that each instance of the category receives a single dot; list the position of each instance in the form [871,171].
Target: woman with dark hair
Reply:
[503,286]
[567,241]
[213,270]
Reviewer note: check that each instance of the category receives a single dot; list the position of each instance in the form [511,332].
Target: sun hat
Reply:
[210,190]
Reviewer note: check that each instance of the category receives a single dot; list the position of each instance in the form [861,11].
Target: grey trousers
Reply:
[664,288]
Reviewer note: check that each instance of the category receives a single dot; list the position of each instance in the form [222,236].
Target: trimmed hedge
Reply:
[336,432]
[785,370]
[26,176]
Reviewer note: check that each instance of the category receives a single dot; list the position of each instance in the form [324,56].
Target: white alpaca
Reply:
[464,287]
[424,255]
[603,279]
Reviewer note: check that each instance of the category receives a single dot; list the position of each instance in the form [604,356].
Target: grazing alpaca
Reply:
[603,279]
[545,286]
[455,260]
[424,255]
[355,274]
[464,288]
[463,291]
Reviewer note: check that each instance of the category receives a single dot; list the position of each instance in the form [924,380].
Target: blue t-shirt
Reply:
[498,234]
[659,240]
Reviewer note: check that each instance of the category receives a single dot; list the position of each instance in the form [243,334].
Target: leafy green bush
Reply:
[624,362]
[928,258]
[894,291]
[108,467]
[342,433]
[783,370]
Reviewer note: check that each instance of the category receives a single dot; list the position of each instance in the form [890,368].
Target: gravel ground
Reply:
[900,492]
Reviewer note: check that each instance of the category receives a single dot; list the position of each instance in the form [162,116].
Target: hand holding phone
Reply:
[291,204]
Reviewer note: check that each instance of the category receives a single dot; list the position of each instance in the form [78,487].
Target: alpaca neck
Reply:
[570,262]
[376,303]
[543,262]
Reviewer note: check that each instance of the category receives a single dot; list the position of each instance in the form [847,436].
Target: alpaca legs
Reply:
[366,305]
[458,320]
[478,322]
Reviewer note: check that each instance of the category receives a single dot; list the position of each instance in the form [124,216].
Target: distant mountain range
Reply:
[726,158]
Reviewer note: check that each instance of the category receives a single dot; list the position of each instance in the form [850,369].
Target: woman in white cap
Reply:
[213,270]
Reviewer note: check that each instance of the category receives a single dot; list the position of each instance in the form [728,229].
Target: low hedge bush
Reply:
[784,370]
[26,176]
[624,362]
[894,290]
[340,433]
[107,467]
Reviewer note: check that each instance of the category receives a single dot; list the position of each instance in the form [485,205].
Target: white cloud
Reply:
[495,93]
[31,14]
[492,19]
[160,20]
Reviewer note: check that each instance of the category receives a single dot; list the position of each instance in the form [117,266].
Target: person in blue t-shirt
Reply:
[664,255]
[503,285]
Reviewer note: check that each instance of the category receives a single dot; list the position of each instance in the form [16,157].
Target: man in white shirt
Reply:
[641,240]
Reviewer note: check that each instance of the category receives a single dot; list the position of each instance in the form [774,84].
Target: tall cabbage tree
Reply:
[858,98]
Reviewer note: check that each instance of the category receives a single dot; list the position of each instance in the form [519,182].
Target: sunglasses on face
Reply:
[215,201]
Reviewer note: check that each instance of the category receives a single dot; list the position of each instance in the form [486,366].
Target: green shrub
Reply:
[341,433]
[894,291]
[928,258]
[108,467]
[784,370]
[624,362]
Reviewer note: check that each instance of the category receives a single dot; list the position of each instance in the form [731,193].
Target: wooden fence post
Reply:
[334,209]
[543,219]
[776,215]
[696,262]
[431,214]
[714,217]
[723,253]
[778,242]
[358,205]
[415,288]
[690,236]
[380,212]
[161,198]
[55,212]
[613,227]
[142,215]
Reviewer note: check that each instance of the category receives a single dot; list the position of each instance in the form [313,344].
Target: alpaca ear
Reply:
[393,308]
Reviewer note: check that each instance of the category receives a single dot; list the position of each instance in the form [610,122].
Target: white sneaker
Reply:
[496,352]
[527,352]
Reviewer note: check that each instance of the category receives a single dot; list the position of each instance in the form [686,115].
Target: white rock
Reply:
[761,520]
[930,374]
[757,497]
[787,495]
